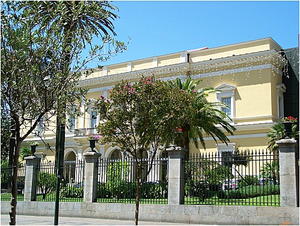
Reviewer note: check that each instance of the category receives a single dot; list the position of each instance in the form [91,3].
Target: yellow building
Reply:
[248,75]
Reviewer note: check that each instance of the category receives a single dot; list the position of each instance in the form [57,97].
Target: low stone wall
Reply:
[189,214]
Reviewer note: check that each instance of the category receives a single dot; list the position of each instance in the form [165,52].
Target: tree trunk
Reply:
[138,192]
[13,202]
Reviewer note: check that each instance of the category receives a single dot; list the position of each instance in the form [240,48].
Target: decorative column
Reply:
[176,175]
[91,176]
[32,169]
[287,170]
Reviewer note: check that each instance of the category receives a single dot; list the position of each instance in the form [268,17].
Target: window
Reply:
[280,104]
[226,96]
[72,123]
[227,101]
[40,128]
[93,119]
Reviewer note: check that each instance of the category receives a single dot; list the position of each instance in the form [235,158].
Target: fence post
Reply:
[287,171]
[176,175]
[31,177]
[90,176]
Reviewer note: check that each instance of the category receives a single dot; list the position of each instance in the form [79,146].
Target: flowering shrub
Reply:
[289,119]
[177,130]
[94,137]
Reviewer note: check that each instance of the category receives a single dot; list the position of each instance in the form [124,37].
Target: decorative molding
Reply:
[269,59]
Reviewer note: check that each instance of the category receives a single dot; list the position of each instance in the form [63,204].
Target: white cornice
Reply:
[215,67]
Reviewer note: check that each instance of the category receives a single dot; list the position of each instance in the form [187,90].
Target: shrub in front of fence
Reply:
[249,180]
[71,192]
[127,190]
[154,190]
[249,192]
[46,182]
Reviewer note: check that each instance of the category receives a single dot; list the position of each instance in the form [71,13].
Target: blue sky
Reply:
[163,27]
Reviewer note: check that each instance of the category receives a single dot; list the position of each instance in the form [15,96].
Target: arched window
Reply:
[70,166]
[116,154]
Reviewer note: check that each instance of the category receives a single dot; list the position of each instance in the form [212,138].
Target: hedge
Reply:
[250,192]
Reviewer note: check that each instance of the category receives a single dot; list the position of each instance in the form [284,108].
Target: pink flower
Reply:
[182,90]
[102,96]
[147,82]
[135,92]
[125,87]
[194,91]
[120,91]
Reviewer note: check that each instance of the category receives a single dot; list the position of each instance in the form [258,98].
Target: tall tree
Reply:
[207,116]
[39,70]
[79,22]
[143,117]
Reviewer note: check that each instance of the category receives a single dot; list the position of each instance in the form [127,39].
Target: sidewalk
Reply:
[46,220]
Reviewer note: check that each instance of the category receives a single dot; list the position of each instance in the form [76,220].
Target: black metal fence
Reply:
[227,178]
[117,181]
[6,177]
[233,178]
[71,187]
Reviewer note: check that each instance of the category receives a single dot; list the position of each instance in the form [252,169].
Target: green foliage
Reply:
[42,44]
[25,152]
[248,180]
[249,192]
[71,192]
[153,190]
[277,132]
[46,182]
[205,117]
[270,171]
[143,113]
[218,174]
[117,175]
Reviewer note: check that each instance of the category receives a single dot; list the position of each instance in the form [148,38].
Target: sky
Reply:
[155,28]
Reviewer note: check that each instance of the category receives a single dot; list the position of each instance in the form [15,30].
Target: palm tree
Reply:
[79,22]
[207,117]
[277,132]
[70,26]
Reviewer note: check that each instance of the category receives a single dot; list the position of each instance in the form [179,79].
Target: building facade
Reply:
[248,75]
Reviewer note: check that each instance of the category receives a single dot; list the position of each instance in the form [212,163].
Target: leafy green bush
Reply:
[154,190]
[71,192]
[248,180]
[196,188]
[249,192]
[46,182]
[102,191]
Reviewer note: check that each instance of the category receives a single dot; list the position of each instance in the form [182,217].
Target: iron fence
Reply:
[233,178]
[117,181]
[71,187]
[6,177]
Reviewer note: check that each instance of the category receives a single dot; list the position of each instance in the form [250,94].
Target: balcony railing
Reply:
[84,132]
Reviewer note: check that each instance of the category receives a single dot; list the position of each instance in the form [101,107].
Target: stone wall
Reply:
[189,214]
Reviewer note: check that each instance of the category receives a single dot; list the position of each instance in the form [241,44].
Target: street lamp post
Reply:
[59,169]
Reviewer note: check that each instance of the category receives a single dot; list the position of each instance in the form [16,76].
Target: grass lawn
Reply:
[268,200]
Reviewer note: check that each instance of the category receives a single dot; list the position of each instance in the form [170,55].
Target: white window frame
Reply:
[280,100]
[89,118]
[75,120]
[226,91]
